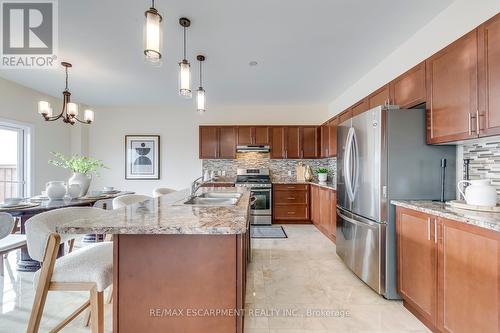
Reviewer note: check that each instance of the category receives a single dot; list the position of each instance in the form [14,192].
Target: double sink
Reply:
[215,199]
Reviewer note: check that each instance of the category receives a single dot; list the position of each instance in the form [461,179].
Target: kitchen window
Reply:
[14,160]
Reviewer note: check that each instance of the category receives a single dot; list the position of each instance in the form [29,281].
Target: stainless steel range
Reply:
[259,183]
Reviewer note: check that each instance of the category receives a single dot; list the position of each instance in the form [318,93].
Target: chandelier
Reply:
[69,112]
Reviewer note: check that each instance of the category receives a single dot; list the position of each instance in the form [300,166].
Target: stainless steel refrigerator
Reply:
[382,155]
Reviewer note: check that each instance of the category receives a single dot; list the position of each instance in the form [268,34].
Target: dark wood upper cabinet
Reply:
[408,90]
[261,135]
[452,91]
[325,140]
[245,135]
[277,142]
[359,108]
[209,142]
[293,142]
[489,78]
[310,142]
[253,135]
[417,262]
[332,125]
[227,142]
[380,97]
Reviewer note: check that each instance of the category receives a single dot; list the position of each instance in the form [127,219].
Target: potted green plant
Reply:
[322,174]
[82,167]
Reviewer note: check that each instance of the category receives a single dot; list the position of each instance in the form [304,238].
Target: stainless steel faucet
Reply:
[195,185]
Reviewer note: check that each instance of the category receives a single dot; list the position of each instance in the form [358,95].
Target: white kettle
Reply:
[479,192]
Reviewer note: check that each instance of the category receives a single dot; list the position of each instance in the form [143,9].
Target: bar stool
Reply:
[9,241]
[129,199]
[158,192]
[86,269]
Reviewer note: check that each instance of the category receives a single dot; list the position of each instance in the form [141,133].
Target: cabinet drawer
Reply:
[287,187]
[290,197]
[292,212]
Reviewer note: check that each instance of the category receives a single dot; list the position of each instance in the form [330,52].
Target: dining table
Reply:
[25,263]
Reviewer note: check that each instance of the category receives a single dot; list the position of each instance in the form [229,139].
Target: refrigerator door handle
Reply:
[363,222]
[355,150]
[347,165]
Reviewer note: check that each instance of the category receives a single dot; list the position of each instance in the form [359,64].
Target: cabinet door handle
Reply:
[291,187]
[435,231]
[477,122]
[291,213]
[470,124]
[291,198]
[428,228]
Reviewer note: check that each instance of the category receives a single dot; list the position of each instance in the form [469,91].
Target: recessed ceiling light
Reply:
[253,63]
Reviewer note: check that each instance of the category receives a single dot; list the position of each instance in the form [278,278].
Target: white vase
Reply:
[81,179]
[55,190]
[322,177]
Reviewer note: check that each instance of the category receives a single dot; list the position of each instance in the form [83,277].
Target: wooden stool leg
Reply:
[97,311]
[71,244]
[109,299]
[43,283]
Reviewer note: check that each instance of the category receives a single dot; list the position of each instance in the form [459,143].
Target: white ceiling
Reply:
[308,51]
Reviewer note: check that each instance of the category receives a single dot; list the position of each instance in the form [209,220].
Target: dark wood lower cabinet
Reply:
[324,210]
[155,277]
[449,273]
[417,262]
[291,203]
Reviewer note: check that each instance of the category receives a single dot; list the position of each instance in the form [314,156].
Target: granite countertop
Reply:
[292,180]
[485,220]
[222,180]
[168,215]
[278,180]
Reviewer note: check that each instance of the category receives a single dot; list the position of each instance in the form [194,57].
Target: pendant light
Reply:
[152,35]
[69,112]
[184,66]
[200,95]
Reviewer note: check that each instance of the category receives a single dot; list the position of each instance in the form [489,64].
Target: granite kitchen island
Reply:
[176,267]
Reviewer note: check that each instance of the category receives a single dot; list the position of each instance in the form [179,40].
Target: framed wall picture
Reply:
[142,157]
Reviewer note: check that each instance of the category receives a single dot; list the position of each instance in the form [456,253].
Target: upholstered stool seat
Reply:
[92,263]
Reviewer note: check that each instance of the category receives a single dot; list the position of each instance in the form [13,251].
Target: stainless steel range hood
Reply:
[253,148]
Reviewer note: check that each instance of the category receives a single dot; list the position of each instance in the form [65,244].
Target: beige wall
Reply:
[178,130]
[19,104]
[459,18]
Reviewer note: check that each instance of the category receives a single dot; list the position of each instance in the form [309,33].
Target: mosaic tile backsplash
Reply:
[279,168]
[484,161]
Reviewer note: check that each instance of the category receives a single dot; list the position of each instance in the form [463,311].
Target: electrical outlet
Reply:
[289,172]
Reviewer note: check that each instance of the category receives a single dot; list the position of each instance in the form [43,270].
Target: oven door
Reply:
[262,204]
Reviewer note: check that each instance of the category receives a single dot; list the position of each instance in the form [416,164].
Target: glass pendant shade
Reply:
[185,79]
[43,107]
[200,98]
[152,36]
[72,109]
[88,116]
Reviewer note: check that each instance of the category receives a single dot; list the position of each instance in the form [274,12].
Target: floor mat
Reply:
[267,232]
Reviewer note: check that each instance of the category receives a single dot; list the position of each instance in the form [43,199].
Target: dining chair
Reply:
[89,268]
[129,199]
[159,191]
[9,241]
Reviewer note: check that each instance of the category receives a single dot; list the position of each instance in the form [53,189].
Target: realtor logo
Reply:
[29,34]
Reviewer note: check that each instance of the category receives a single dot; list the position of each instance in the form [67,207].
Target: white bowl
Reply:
[108,188]
[13,201]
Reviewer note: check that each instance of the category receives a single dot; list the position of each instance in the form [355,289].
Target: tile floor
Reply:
[295,285]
